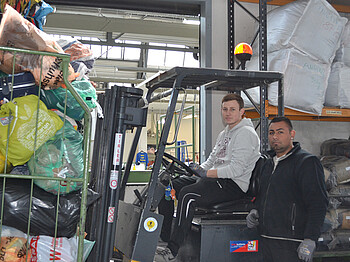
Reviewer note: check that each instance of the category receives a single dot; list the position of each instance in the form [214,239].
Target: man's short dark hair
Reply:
[282,119]
[232,96]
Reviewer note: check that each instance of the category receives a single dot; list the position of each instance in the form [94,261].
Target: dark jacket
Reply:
[292,199]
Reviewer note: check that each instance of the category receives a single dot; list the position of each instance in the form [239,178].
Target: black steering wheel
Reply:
[177,166]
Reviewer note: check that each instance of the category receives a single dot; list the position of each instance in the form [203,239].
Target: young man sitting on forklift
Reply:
[223,177]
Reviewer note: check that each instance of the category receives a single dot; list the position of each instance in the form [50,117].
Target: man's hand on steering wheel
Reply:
[198,169]
[178,166]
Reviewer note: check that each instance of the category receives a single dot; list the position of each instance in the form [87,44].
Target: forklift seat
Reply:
[241,205]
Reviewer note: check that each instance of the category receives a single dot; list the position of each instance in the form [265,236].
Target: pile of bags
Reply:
[34,11]
[303,37]
[335,158]
[14,247]
[39,137]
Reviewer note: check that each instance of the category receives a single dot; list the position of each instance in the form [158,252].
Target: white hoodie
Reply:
[235,153]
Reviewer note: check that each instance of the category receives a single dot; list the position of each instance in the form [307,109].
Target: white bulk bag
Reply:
[338,89]
[253,65]
[314,27]
[319,30]
[343,53]
[305,80]
[281,23]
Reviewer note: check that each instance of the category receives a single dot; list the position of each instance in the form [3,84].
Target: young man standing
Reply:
[225,176]
[292,199]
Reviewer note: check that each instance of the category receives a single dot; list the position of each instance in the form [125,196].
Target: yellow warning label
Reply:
[150,224]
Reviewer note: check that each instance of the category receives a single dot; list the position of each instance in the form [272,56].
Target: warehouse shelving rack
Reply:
[330,114]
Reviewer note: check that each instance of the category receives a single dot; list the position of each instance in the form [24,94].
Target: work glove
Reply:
[198,169]
[252,218]
[306,250]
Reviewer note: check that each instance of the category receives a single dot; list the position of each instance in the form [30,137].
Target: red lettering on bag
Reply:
[33,248]
[56,255]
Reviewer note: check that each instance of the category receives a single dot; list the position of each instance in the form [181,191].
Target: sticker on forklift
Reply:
[110,218]
[150,224]
[113,180]
[117,148]
[244,246]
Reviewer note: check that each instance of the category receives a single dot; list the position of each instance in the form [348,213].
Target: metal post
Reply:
[98,175]
[231,34]
[105,170]
[280,98]
[161,147]
[263,67]
[129,163]
[193,136]
[115,172]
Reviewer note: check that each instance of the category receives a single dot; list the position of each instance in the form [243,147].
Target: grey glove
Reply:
[198,169]
[306,250]
[252,218]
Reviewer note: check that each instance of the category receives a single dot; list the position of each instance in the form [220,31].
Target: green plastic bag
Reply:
[60,156]
[55,99]
[23,127]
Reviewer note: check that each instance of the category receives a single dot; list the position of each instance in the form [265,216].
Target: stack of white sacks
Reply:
[302,40]
[338,90]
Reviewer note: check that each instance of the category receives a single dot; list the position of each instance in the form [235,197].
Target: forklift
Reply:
[133,229]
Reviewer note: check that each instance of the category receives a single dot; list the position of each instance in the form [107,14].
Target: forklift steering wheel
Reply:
[178,166]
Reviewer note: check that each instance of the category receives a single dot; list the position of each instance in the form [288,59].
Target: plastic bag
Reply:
[88,246]
[43,211]
[40,15]
[13,245]
[15,31]
[324,240]
[14,249]
[332,218]
[344,218]
[23,127]
[339,166]
[328,147]
[82,59]
[77,50]
[2,164]
[43,249]
[55,99]
[342,194]
[60,156]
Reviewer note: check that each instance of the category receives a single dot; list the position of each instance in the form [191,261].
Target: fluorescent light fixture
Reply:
[190,22]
